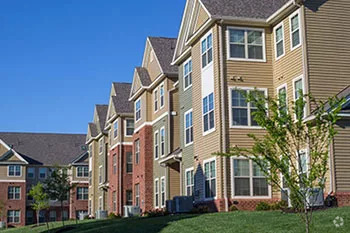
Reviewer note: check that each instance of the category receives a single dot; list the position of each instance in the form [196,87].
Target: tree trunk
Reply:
[37,217]
[307,223]
[62,213]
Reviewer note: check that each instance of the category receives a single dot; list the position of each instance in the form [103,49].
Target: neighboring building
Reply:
[97,141]
[26,159]
[154,95]
[120,125]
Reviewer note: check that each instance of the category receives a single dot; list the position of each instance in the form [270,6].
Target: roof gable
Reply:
[141,79]
[100,116]
[81,159]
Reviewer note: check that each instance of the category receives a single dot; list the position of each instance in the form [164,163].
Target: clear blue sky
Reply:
[59,57]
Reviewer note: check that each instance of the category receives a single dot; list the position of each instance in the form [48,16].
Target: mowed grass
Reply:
[239,221]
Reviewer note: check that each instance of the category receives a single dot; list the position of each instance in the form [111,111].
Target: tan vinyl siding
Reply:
[167,86]
[328,30]
[146,110]
[175,121]
[153,67]
[3,150]
[174,180]
[201,19]
[4,173]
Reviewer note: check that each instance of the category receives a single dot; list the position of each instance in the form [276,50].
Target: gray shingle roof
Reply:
[102,116]
[164,49]
[255,9]
[145,79]
[121,101]
[45,148]
[93,129]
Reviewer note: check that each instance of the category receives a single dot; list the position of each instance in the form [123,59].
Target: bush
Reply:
[155,213]
[201,209]
[233,208]
[86,217]
[113,216]
[263,206]
[279,205]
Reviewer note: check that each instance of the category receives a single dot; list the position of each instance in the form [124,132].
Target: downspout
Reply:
[120,175]
[331,168]
[223,115]
[305,56]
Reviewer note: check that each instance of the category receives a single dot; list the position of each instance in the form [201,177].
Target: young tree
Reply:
[41,199]
[58,185]
[294,151]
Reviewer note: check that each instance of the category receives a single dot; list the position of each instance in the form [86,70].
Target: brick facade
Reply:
[75,204]
[143,171]
[343,198]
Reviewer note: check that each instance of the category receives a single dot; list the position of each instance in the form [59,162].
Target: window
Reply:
[100,145]
[82,171]
[29,197]
[303,165]
[52,216]
[156,193]
[210,178]
[161,92]
[115,132]
[14,193]
[162,141]
[155,100]
[128,162]
[129,128]
[128,197]
[100,175]
[137,110]
[248,179]
[162,190]
[207,50]
[156,145]
[187,74]
[114,164]
[295,30]
[114,196]
[31,172]
[189,182]
[100,203]
[188,128]
[42,216]
[241,110]
[13,216]
[298,93]
[279,41]
[246,44]
[65,214]
[30,216]
[14,170]
[42,172]
[82,193]
[282,99]
[137,151]
[137,194]
[208,112]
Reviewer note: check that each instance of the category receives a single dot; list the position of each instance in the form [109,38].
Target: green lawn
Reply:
[239,221]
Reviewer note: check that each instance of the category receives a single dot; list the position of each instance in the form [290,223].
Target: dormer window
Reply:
[14,170]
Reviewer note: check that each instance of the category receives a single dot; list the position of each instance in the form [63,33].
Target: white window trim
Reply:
[100,174]
[304,92]
[161,198]
[297,12]
[230,106]
[278,89]
[156,205]
[138,100]
[100,203]
[83,172]
[189,111]
[186,186]
[281,24]
[306,151]
[137,151]
[250,182]
[160,142]
[14,193]
[205,133]
[116,122]
[154,145]
[8,170]
[286,189]
[45,173]
[155,97]
[245,59]
[183,74]
[160,97]
[99,146]
[125,127]
[216,179]
[212,46]
[19,219]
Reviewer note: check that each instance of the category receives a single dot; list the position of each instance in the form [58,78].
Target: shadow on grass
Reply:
[142,225]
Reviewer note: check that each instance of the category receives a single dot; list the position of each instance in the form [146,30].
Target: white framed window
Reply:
[128,162]
[128,197]
[42,172]
[129,127]
[303,164]
[137,194]
[115,130]
[100,203]
[210,178]
[207,50]
[279,40]
[282,98]
[188,127]
[14,193]
[14,170]
[114,200]
[114,160]
[156,193]
[82,171]
[137,151]
[162,142]
[31,172]
[298,92]
[187,74]
[162,191]
[189,182]
[295,32]
[248,181]
[208,113]
[155,100]
[100,145]
[138,110]
[246,44]
[82,193]
[161,94]
[13,216]
[241,111]
[100,174]
[156,145]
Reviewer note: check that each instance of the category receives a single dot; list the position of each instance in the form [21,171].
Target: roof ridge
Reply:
[43,133]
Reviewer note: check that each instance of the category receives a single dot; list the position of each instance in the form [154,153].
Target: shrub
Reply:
[155,213]
[279,205]
[262,206]
[113,216]
[233,208]
[86,217]
[201,209]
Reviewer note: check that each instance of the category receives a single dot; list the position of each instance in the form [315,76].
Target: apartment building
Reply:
[120,127]
[97,141]
[274,46]
[26,159]
[154,93]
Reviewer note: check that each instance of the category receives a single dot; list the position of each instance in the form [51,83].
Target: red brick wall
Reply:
[76,205]
[143,172]
[14,204]
[343,198]
[250,204]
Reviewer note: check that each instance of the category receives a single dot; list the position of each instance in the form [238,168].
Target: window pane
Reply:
[255,52]
[242,187]
[237,51]
[260,187]
[256,170]
[211,120]
[210,41]
[280,49]
[295,23]
[205,105]
[298,87]
[211,101]
[239,116]
[204,46]
[237,36]
[295,38]
[255,37]
[252,117]
[206,122]
[204,60]
[210,55]
[206,170]
[213,187]
[238,98]
[241,167]
[279,34]
[212,169]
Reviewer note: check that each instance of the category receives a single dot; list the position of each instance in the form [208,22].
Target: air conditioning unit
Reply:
[101,214]
[183,204]
[131,211]
[82,216]
[315,197]
[170,206]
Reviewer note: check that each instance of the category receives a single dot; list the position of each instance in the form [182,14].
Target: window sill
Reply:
[294,48]
[251,197]
[246,59]
[209,132]
[245,127]
[278,58]
[186,88]
[189,144]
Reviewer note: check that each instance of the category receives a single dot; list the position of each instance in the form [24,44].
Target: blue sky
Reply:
[58,58]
